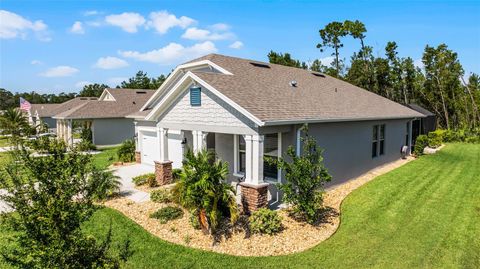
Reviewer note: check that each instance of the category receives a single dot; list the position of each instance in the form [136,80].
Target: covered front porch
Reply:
[252,176]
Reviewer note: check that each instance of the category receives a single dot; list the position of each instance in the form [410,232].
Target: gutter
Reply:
[302,121]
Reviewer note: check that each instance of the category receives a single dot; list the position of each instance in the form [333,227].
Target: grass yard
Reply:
[425,214]
[106,157]
[4,141]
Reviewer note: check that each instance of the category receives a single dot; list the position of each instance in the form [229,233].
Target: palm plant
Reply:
[103,184]
[202,189]
[14,122]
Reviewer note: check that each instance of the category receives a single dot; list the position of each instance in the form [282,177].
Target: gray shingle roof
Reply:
[127,101]
[44,110]
[267,94]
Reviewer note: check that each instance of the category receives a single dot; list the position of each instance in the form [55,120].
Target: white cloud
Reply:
[80,84]
[220,27]
[110,63]
[418,63]
[172,53]
[90,13]
[128,21]
[327,61]
[116,81]
[202,34]
[77,28]
[162,21]
[236,45]
[59,71]
[35,62]
[13,25]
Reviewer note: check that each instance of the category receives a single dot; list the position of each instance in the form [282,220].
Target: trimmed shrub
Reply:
[145,179]
[161,196]
[420,144]
[473,139]
[435,138]
[167,213]
[126,152]
[265,221]
[86,145]
[176,172]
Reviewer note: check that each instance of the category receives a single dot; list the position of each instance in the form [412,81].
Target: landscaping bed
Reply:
[296,236]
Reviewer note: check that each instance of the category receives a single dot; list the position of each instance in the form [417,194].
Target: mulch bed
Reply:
[236,240]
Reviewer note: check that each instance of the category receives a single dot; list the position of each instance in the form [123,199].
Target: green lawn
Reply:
[425,214]
[4,141]
[106,157]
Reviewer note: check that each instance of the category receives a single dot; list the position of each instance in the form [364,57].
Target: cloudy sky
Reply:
[53,46]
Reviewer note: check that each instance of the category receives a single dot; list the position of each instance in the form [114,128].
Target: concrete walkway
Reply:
[126,173]
[4,208]
[5,149]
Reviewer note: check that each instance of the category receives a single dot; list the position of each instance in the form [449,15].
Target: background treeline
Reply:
[139,81]
[437,84]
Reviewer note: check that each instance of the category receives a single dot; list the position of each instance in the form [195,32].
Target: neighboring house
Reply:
[245,110]
[44,113]
[106,117]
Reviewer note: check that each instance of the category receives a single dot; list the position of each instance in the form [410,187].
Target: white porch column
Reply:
[57,129]
[69,132]
[257,159]
[410,125]
[135,123]
[199,141]
[254,159]
[162,135]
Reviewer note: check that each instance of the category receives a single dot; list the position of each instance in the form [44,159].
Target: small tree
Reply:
[202,189]
[305,175]
[52,197]
[15,123]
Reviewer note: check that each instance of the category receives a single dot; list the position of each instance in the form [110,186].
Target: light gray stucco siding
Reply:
[52,123]
[348,146]
[112,131]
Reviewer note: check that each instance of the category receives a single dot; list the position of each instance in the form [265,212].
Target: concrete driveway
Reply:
[126,173]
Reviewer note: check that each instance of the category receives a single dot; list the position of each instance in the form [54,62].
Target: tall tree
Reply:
[442,84]
[142,81]
[93,90]
[331,37]
[285,59]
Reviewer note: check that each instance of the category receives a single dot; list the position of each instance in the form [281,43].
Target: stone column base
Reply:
[163,172]
[138,157]
[254,197]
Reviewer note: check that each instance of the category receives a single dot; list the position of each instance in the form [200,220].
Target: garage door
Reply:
[150,149]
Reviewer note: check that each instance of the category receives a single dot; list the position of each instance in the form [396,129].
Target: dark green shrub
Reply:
[161,196]
[435,138]
[148,178]
[265,221]
[167,213]
[473,139]
[176,172]
[126,152]
[194,221]
[420,144]
[86,134]
[305,177]
[86,145]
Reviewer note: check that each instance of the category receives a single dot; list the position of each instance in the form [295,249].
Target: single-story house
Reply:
[245,110]
[422,126]
[105,116]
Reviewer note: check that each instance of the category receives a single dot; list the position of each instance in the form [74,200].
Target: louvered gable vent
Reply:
[195,96]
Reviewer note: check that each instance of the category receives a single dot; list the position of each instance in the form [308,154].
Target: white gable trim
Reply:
[104,94]
[189,75]
[181,68]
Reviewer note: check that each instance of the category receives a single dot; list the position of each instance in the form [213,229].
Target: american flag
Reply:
[25,105]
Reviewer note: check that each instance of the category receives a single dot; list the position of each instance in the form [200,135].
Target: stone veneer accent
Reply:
[163,172]
[138,157]
[254,197]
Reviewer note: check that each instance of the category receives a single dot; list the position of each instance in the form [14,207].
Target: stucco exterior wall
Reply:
[348,146]
[52,123]
[112,131]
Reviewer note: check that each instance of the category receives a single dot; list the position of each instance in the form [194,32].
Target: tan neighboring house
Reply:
[105,116]
[245,110]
